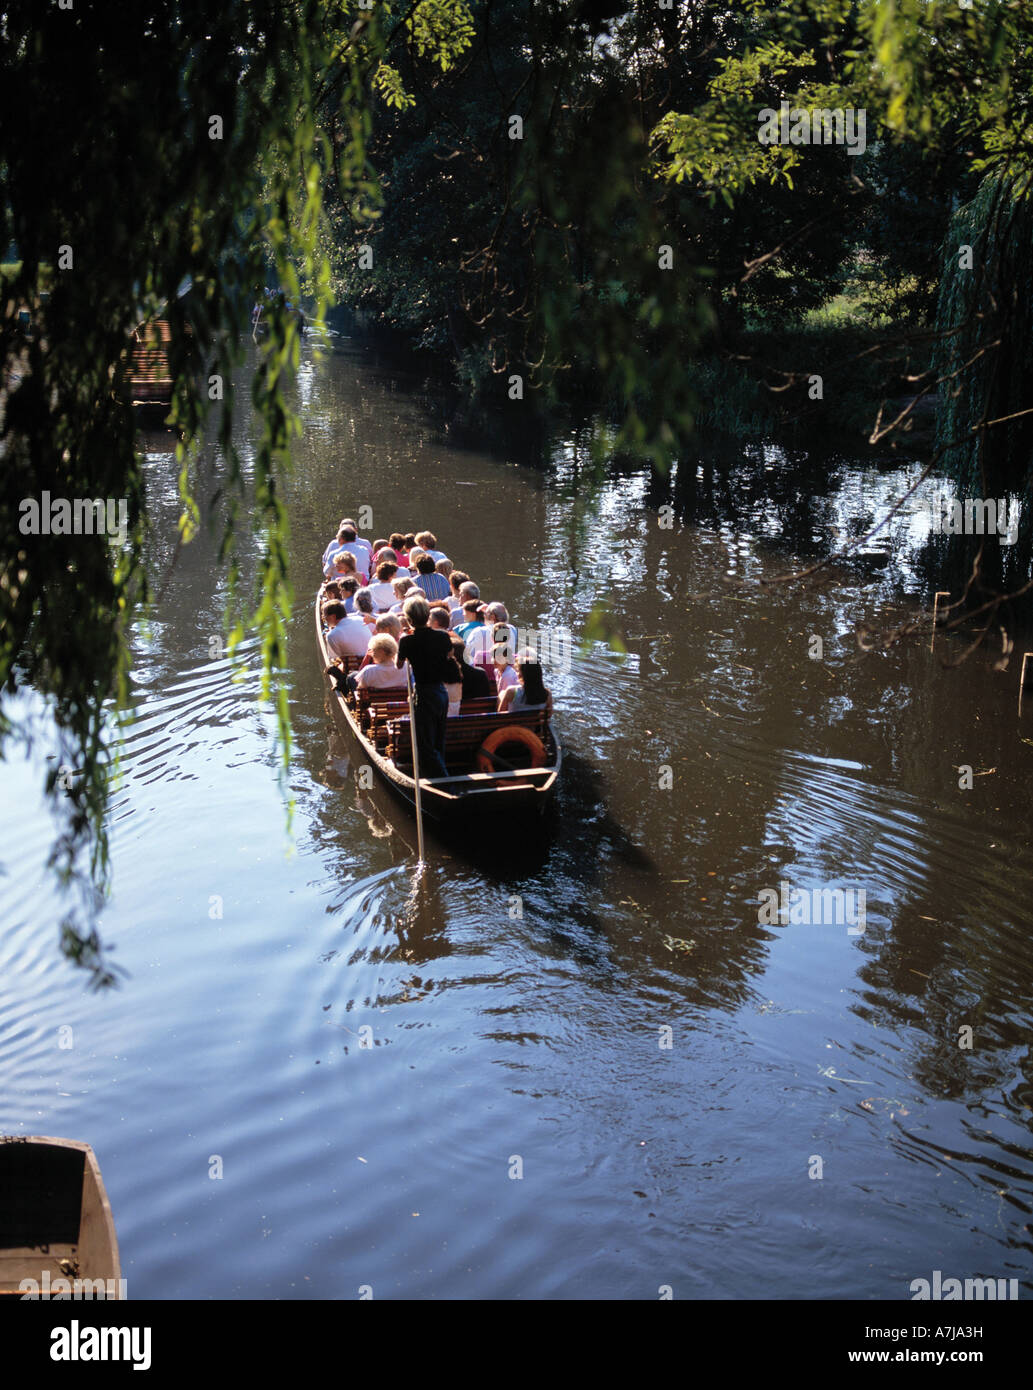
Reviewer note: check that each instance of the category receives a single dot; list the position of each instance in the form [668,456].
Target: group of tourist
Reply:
[401,600]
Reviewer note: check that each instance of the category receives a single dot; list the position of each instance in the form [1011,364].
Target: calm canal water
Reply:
[503,1042]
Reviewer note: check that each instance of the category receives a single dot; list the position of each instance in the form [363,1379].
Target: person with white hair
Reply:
[463,590]
[382,673]
[499,613]
[390,623]
[365,608]
[402,586]
[481,639]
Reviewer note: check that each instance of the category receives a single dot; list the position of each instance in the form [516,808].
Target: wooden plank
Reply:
[491,776]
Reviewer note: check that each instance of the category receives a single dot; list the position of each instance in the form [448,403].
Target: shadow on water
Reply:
[554,867]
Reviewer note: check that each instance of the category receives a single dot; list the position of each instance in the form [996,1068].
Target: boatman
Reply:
[429,653]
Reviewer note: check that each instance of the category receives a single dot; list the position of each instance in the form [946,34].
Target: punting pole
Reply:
[415,764]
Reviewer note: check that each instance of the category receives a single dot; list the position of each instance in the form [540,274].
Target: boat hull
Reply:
[473,803]
[55,1221]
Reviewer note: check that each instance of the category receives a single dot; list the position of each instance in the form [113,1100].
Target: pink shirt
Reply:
[506,677]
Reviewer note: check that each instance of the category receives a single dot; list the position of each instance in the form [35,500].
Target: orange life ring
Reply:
[514,733]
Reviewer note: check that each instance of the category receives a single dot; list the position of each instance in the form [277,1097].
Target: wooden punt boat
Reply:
[55,1219]
[467,798]
[150,375]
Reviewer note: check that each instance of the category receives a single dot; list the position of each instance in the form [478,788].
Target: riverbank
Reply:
[843,372]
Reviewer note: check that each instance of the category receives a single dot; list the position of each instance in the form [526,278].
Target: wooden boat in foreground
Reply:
[467,797]
[55,1220]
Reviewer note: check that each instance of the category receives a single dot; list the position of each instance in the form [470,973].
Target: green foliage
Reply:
[442,30]
[159,145]
[985,317]
[387,82]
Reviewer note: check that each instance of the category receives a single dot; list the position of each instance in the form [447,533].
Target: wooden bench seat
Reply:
[464,735]
[341,667]
[369,703]
[378,714]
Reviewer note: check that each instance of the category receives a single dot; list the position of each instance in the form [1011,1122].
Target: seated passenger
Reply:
[344,564]
[382,673]
[382,593]
[472,617]
[333,548]
[402,586]
[347,636]
[530,690]
[364,607]
[505,671]
[348,541]
[428,541]
[458,579]
[498,613]
[445,567]
[390,623]
[397,544]
[479,639]
[387,553]
[454,689]
[476,685]
[434,585]
[350,523]
[349,588]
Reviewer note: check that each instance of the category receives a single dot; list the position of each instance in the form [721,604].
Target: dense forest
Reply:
[553,201]
[527,190]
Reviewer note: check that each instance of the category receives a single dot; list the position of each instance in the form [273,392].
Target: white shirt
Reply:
[480,643]
[349,638]
[360,557]
[383,593]
[386,675]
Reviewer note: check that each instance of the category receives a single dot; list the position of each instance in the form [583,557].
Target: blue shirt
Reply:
[435,586]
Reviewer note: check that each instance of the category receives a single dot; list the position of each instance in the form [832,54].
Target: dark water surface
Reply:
[502,1041]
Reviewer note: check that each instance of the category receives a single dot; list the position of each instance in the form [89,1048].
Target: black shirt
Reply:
[428,651]
[475,682]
